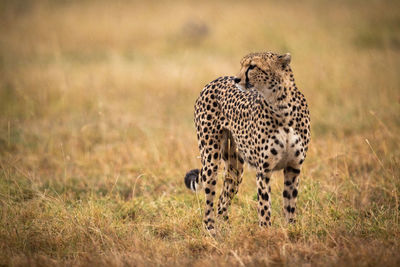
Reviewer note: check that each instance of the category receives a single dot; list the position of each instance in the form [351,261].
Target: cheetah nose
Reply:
[237,80]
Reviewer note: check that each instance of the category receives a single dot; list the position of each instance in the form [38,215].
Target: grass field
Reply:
[96,132]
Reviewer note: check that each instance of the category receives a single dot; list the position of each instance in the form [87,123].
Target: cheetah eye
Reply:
[251,67]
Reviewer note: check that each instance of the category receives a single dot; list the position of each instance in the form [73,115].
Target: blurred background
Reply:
[96,102]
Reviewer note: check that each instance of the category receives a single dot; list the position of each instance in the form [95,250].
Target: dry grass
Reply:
[96,132]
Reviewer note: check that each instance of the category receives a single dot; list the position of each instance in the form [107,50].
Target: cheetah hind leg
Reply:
[205,178]
[233,174]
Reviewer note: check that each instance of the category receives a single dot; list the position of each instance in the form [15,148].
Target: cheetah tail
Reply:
[192,179]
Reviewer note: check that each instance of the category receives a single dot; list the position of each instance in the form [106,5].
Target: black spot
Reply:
[286,194]
[290,169]
[273,151]
[265,165]
[294,194]
[207,190]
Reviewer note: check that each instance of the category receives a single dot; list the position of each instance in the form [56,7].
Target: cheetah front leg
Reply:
[263,197]
[290,191]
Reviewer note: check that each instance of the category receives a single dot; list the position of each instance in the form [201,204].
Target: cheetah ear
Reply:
[285,59]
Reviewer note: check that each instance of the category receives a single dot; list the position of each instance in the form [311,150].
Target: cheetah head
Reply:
[263,71]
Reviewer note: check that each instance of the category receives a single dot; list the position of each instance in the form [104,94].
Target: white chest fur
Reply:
[291,152]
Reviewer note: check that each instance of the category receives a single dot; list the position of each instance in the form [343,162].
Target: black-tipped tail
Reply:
[192,179]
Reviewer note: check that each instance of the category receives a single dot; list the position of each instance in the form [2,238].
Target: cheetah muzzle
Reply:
[259,117]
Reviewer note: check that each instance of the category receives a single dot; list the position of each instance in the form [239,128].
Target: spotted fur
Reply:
[259,117]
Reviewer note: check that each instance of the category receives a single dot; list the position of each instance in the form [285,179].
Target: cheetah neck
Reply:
[279,97]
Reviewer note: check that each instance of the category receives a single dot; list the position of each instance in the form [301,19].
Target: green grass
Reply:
[96,132]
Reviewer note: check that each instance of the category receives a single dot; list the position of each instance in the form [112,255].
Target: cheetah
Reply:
[259,117]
